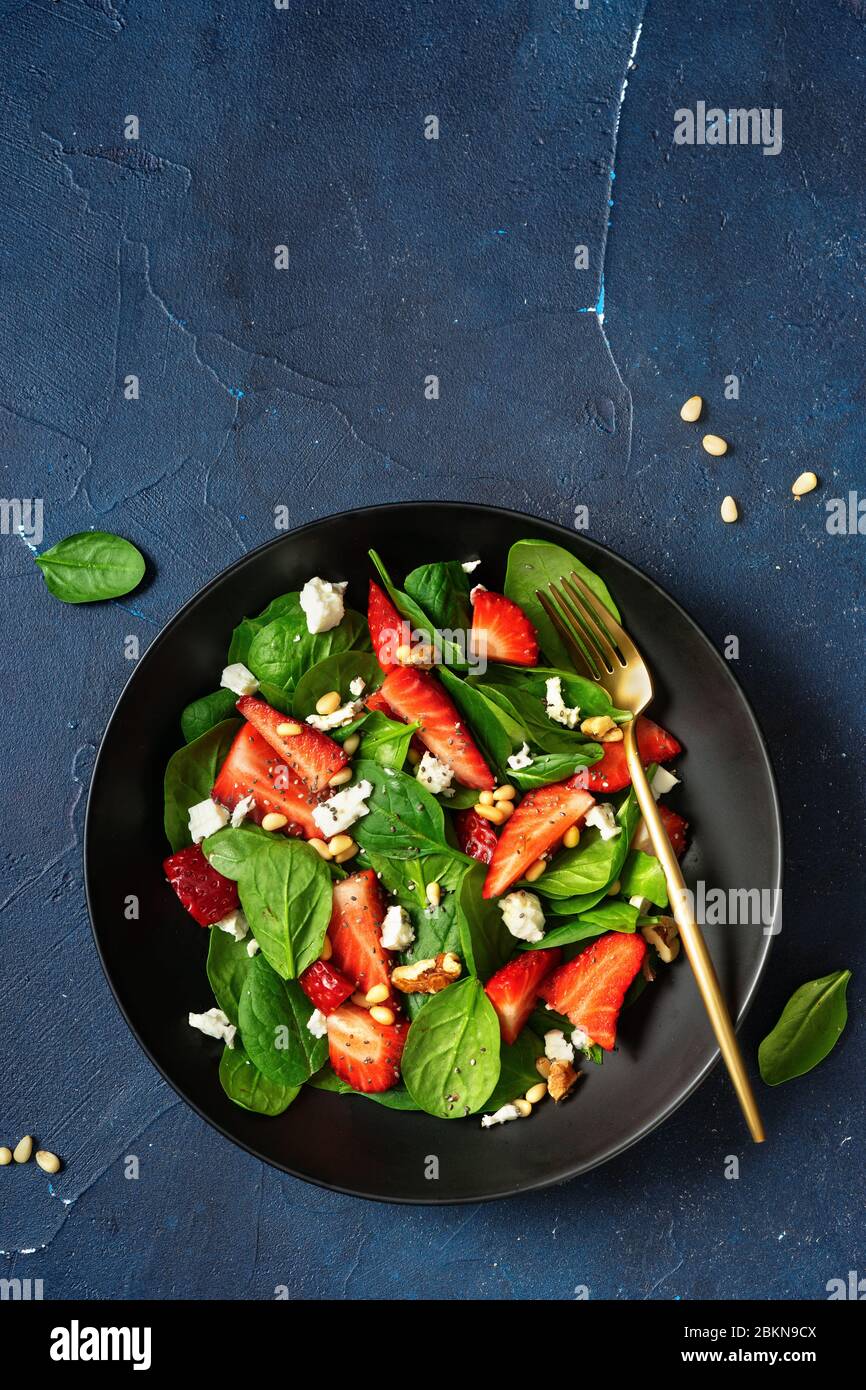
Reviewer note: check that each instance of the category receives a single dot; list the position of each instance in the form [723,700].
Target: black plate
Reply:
[156,966]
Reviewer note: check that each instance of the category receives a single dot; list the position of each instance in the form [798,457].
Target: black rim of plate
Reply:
[568,538]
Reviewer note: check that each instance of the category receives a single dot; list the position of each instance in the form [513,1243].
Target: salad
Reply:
[413,840]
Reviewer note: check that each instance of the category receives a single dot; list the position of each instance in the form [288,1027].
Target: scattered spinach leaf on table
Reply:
[91,566]
[810,1026]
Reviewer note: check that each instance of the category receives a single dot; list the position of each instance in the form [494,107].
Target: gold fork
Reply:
[599,645]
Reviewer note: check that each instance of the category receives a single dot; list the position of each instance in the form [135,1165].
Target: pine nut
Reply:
[5,1156]
[536,1093]
[340,843]
[361,1000]
[434,894]
[535,870]
[715,445]
[615,736]
[506,808]
[340,778]
[327,949]
[491,813]
[48,1162]
[327,704]
[729,510]
[597,726]
[347,854]
[486,798]
[505,793]
[274,821]
[380,1014]
[23,1149]
[571,838]
[378,994]
[288,729]
[614,888]
[523,1107]
[351,744]
[807,482]
[691,411]
[321,848]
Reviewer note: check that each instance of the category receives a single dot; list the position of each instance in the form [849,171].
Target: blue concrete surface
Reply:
[305,127]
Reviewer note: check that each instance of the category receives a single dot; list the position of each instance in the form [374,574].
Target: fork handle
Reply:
[693,941]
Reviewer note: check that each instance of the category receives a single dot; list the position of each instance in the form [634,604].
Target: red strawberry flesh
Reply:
[590,989]
[364,1053]
[514,989]
[538,823]
[418,698]
[206,895]
[611,774]
[356,925]
[311,754]
[325,987]
[475,835]
[252,768]
[501,630]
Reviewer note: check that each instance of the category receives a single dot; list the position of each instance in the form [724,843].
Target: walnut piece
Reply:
[427,976]
[560,1079]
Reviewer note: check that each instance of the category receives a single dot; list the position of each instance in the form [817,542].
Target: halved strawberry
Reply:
[205,894]
[324,986]
[676,827]
[475,835]
[590,989]
[538,823]
[502,631]
[252,768]
[313,755]
[356,925]
[418,698]
[363,1052]
[514,989]
[376,701]
[611,774]
[388,630]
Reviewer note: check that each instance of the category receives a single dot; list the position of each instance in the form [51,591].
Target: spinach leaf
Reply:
[273,1022]
[595,862]
[420,622]
[517,1069]
[206,713]
[227,968]
[535,564]
[398,1098]
[190,776]
[239,648]
[810,1026]
[244,1084]
[590,697]
[643,877]
[573,907]
[442,591]
[385,741]
[542,732]
[451,1059]
[285,891]
[618,916]
[283,650]
[544,1019]
[404,820]
[485,934]
[439,928]
[335,672]
[553,767]
[90,566]
[497,733]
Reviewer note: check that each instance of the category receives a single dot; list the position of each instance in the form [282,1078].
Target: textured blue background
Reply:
[305,387]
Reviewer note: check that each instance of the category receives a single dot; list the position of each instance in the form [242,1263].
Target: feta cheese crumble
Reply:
[520,759]
[344,715]
[397,933]
[581,1040]
[522,915]
[253,947]
[663,782]
[214,1024]
[242,810]
[500,1116]
[234,924]
[435,775]
[556,1049]
[322,603]
[239,678]
[317,1024]
[603,817]
[342,810]
[643,905]
[356,686]
[206,818]
[556,707]
[470,566]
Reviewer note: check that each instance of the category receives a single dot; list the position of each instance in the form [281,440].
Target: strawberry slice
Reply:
[388,630]
[539,823]
[313,755]
[356,925]
[676,827]
[324,986]
[590,989]
[475,835]
[513,990]
[418,698]
[376,701]
[501,630]
[611,774]
[252,768]
[364,1053]
[205,894]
